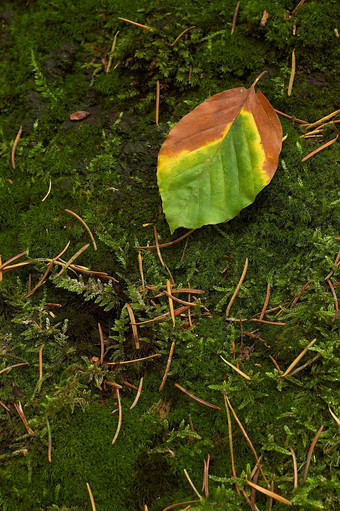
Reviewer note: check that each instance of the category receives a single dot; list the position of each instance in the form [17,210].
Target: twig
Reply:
[15,146]
[119,417]
[101,360]
[133,324]
[247,439]
[235,368]
[180,35]
[336,303]
[168,364]
[310,452]
[40,368]
[85,225]
[294,468]
[235,18]
[48,191]
[292,75]
[327,144]
[269,493]
[237,287]
[138,394]
[135,360]
[91,497]
[136,24]
[157,101]
[297,360]
[258,78]
[169,244]
[198,399]
[49,450]
[266,300]
[192,484]
[291,117]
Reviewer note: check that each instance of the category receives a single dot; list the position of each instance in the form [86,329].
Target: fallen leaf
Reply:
[79,116]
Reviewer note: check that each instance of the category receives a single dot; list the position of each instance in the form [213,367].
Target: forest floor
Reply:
[64,397]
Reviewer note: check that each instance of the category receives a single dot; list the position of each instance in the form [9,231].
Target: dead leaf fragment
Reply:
[79,116]
[264,18]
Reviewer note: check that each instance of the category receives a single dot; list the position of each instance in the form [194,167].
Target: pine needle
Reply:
[70,261]
[168,364]
[180,35]
[138,394]
[40,368]
[327,144]
[135,360]
[266,300]
[269,493]
[294,468]
[101,360]
[157,101]
[235,18]
[163,245]
[237,287]
[310,452]
[21,414]
[337,420]
[133,325]
[136,24]
[91,497]
[48,191]
[297,360]
[292,74]
[230,435]
[5,369]
[235,368]
[321,121]
[15,146]
[49,450]
[192,484]
[119,417]
[336,303]
[198,399]
[85,225]
[173,506]
[171,303]
[140,264]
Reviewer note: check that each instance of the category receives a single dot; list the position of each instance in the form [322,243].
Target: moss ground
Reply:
[52,63]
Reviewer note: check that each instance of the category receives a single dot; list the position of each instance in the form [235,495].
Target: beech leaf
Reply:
[218,158]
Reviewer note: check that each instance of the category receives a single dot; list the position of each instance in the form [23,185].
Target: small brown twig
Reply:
[309,455]
[198,399]
[15,146]
[5,369]
[294,11]
[291,117]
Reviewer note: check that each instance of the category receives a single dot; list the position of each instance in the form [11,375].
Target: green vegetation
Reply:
[52,63]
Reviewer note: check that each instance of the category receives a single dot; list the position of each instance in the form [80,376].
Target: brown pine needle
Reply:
[247,439]
[101,344]
[276,323]
[140,264]
[133,324]
[309,455]
[7,263]
[48,191]
[119,417]
[198,399]
[180,35]
[235,368]
[266,300]
[235,18]
[310,361]
[337,420]
[178,300]
[114,384]
[297,296]
[206,478]
[168,364]
[157,101]
[70,261]
[269,493]
[91,497]
[177,312]
[327,144]
[297,360]
[230,435]
[0,267]
[138,394]
[171,303]
[85,225]
[294,468]
[169,244]
[21,414]
[49,449]
[184,249]
[173,506]
[135,360]
[292,74]
[5,369]
[336,303]
[237,287]
[15,147]
[294,12]
[157,247]
[321,121]
[136,24]
[192,484]
[275,363]
[40,368]
[3,404]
